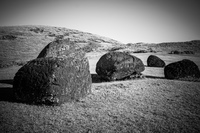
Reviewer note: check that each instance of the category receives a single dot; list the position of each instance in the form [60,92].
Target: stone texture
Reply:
[154,61]
[182,69]
[53,80]
[118,65]
[58,48]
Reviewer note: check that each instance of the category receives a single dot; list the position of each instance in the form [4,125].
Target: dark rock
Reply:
[59,48]
[118,65]
[175,52]
[181,52]
[182,69]
[53,80]
[8,37]
[154,61]
[188,52]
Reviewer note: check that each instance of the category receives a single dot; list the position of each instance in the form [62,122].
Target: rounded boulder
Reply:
[118,65]
[154,61]
[182,69]
[53,80]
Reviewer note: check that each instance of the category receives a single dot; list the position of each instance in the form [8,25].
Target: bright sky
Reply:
[128,21]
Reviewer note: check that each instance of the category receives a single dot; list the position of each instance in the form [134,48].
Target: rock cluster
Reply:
[61,73]
[118,65]
[182,69]
[154,61]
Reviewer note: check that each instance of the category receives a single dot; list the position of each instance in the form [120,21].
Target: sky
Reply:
[128,21]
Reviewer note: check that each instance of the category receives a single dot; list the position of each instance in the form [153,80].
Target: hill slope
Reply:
[22,43]
[19,44]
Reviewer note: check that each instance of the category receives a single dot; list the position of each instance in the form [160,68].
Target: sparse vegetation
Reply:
[140,51]
[150,104]
[147,105]
[181,52]
[8,37]
[115,48]
[32,39]
[89,47]
[52,34]
[37,30]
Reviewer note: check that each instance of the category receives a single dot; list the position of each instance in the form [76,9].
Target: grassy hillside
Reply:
[22,43]
[19,44]
[166,47]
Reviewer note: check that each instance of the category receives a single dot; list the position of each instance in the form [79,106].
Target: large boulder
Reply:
[182,69]
[59,47]
[154,61]
[53,80]
[118,65]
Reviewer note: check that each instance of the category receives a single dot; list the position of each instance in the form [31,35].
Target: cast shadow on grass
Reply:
[6,93]
[154,77]
[189,79]
[96,78]
[7,81]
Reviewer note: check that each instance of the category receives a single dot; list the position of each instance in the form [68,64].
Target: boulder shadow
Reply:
[7,81]
[190,79]
[97,79]
[154,77]
[7,93]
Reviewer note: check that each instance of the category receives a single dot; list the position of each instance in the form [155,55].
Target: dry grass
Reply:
[146,105]
[153,104]
[30,40]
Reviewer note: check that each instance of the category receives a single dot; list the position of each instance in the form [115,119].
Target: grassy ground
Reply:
[153,104]
[145,105]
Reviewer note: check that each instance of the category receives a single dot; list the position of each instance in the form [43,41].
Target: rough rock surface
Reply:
[118,65]
[154,61]
[58,48]
[52,80]
[182,69]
